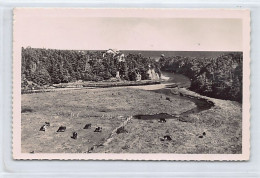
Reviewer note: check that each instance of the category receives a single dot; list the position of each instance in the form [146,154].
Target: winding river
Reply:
[177,80]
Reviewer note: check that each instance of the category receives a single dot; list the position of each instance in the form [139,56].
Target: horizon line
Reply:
[125,50]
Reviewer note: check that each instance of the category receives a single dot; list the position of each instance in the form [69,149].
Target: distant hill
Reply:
[157,54]
[219,77]
[199,54]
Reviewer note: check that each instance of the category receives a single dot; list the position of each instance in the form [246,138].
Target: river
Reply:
[171,80]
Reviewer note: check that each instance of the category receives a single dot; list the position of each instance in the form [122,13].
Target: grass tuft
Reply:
[25,110]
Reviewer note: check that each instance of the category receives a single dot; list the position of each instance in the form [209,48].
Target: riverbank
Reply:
[89,85]
[222,126]
[231,106]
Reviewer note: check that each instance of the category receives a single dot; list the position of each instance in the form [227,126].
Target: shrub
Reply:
[24,110]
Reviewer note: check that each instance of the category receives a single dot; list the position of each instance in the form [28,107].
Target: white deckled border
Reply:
[243,14]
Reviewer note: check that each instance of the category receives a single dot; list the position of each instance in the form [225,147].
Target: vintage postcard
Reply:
[131,84]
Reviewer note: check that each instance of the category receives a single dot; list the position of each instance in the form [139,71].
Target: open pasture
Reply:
[109,108]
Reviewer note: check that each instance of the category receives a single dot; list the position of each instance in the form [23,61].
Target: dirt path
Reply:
[114,132]
[148,87]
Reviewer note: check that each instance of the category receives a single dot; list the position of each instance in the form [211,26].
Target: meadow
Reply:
[111,108]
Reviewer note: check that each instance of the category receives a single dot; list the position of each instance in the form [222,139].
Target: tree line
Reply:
[51,66]
[219,77]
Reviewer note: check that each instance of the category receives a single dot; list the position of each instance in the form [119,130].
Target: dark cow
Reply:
[162,120]
[98,129]
[43,128]
[75,135]
[166,138]
[61,129]
[167,98]
[121,130]
[87,126]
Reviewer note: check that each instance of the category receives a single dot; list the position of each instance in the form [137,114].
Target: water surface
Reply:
[178,80]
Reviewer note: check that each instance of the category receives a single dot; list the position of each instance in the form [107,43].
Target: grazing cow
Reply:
[61,129]
[167,98]
[43,128]
[162,120]
[121,130]
[204,133]
[166,138]
[47,124]
[75,135]
[91,149]
[87,126]
[200,136]
[98,129]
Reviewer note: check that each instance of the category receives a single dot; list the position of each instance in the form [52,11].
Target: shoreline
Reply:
[92,85]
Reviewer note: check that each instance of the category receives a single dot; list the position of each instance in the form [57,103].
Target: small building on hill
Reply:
[116,54]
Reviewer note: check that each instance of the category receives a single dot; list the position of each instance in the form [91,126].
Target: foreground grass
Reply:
[75,108]
[109,108]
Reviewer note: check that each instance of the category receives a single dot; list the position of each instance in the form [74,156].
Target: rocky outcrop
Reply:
[117,75]
[138,77]
[153,75]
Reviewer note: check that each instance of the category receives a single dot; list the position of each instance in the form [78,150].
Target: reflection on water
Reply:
[154,116]
[201,104]
[176,79]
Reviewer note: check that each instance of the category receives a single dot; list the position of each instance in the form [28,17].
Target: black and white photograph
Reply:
[141,84]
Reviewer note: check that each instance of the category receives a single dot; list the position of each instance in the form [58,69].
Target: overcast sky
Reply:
[61,30]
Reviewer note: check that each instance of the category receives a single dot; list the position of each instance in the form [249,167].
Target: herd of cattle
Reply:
[99,129]
[63,128]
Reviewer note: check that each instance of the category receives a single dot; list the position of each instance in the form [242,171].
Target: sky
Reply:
[72,30]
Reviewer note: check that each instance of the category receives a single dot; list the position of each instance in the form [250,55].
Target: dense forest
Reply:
[219,77]
[50,66]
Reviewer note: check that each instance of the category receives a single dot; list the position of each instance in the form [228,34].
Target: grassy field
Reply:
[109,108]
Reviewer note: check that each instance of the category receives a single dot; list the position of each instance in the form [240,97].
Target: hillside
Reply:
[219,77]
